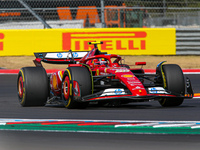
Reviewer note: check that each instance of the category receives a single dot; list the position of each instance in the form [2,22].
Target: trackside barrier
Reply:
[188,41]
[122,41]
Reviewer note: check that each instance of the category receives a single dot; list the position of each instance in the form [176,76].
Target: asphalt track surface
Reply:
[22,140]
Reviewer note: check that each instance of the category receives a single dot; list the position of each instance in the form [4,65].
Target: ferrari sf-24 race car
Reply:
[99,77]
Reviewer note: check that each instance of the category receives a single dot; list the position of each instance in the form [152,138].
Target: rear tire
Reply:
[173,81]
[32,86]
[80,75]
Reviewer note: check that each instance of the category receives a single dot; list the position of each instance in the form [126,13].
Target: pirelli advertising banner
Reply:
[122,41]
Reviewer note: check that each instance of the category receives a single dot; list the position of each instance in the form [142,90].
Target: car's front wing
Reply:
[96,97]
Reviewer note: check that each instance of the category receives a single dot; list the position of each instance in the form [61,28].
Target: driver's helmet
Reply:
[100,61]
[103,62]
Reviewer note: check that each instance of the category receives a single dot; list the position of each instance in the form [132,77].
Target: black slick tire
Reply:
[32,86]
[82,76]
[173,81]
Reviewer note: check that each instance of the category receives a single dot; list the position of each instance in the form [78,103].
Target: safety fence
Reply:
[25,14]
[188,42]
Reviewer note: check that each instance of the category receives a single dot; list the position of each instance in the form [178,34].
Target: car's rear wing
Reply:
[59,57]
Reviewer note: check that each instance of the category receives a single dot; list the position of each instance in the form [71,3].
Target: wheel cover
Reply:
[66,88]
[20,87]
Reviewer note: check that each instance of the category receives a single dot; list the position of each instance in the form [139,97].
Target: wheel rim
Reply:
[20,87]
[66,88]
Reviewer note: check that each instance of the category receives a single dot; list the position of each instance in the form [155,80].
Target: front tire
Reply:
[76,84]
[173,81]
[32,86]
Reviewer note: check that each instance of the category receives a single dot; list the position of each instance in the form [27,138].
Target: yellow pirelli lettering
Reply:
[69,74]
[70,90]
[97,72]
[69,101]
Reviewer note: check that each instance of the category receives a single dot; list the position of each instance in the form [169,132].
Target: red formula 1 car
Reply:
[101,77]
